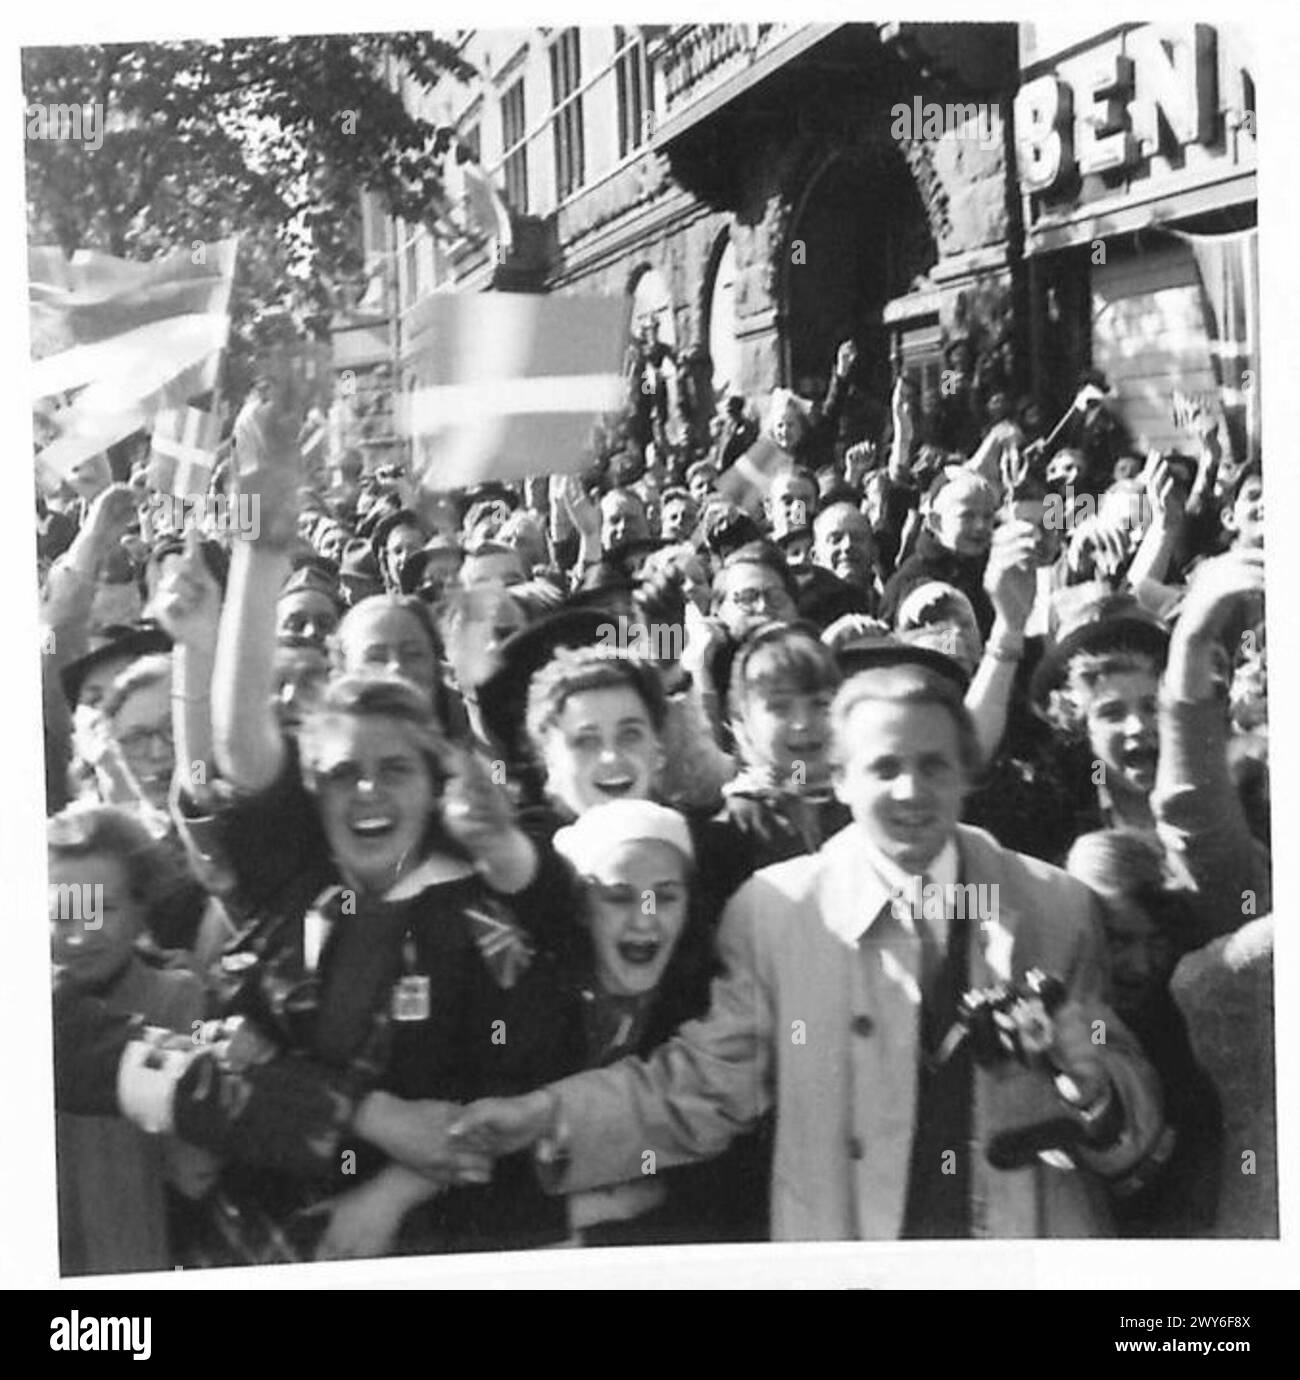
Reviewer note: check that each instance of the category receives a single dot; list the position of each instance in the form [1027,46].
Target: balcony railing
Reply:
[694,58]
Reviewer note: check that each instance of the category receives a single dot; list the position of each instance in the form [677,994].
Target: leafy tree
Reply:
[273,138]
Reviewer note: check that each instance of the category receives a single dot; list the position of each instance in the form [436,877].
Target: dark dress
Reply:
[724,1199]
[493,1015]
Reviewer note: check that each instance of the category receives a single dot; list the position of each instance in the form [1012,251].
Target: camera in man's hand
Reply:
[1009,1022]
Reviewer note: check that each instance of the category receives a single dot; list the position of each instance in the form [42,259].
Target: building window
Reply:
[635,92]
[471,140]
[566,119]
[513,135]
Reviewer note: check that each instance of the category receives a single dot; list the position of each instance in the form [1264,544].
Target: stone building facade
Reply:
[784,188]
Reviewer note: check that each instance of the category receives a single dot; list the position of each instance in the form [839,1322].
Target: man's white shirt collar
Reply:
[885,882]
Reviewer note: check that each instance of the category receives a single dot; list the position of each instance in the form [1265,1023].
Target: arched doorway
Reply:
[652,300]
[859,237]
[724,348]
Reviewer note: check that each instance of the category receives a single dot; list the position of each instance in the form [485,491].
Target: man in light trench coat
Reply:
[838,1006]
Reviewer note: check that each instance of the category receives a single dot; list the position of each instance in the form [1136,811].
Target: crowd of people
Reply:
[680,850]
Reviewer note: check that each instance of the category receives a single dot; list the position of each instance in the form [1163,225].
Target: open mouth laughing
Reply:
[374,827]
[640,953]
[1139,761]
[615,787]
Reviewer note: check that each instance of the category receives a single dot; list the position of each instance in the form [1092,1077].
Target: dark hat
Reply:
[402,517]
[359,561]
[1093,618]
[130,640]
[383,507]
[311,560]
[503,696]
[311,577]
[876,652]
[793,533]
[727,528]
[623,468]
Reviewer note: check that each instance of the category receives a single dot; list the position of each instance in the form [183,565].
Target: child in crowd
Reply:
[1101,681]
[780,804]
[113,1200]
[954,547]
[1148,929]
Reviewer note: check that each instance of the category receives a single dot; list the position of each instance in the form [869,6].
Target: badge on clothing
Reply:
[411,997]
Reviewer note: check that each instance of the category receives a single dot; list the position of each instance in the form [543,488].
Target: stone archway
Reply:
[718,315]
[857,235]
[652,300]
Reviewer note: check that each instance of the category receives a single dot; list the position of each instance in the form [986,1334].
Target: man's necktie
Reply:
[939,1180]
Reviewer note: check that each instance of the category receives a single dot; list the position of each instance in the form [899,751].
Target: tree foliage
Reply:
[273,138]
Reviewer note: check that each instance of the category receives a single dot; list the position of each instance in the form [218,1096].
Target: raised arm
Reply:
[900,444]
[1198,812]
[1010,579]
[584,516]
[188,605]
[70,584]
[1151,563]
[247,743]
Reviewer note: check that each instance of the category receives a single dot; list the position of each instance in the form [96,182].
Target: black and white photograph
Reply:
[647,635]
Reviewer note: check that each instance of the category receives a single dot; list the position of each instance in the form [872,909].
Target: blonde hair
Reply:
[1117,862]
[904,684]
[783,401]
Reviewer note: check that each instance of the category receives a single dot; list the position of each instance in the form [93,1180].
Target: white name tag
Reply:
[411,998]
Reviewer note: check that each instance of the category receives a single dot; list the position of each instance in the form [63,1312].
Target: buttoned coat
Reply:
[827,1031]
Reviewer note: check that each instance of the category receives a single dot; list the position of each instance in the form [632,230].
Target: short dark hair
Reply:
[575,669]
[1252,470]
[805,476]
[764,553]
